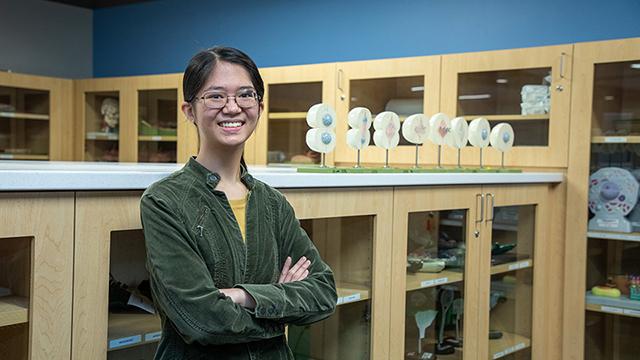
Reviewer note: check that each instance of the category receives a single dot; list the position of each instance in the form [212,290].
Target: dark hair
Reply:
[202,64]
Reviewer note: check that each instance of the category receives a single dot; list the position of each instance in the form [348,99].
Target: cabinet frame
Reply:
[50,286]
[559,59]
[426,66]
[586,56]
[256,147]
[61,133]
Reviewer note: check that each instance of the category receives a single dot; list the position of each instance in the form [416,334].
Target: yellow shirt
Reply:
[239,206]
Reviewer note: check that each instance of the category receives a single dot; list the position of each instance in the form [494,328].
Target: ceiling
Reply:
[97,4]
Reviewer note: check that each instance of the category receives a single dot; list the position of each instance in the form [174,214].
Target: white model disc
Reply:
[459,133]
[501,137]
[415,128]
[479,130]
[440,127]
[387,126]
[358,137]
[321,140]
[321,116]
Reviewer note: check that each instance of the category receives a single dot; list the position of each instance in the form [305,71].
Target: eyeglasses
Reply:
[217,100]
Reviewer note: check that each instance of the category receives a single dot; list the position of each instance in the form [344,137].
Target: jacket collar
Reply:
[212,179]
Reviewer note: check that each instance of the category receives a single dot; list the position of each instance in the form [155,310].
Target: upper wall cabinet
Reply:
[289,93]
[527,88]
[35,117]
[405,86]
[134,119]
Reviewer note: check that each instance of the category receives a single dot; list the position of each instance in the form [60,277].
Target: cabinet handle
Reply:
[340,74]
[481,213]
[490,207]
[562,56]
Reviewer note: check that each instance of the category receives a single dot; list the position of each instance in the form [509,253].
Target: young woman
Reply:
[228,260]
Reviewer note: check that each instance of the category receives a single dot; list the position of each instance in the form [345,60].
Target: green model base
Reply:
[318,169]
[360,170]
[496,170]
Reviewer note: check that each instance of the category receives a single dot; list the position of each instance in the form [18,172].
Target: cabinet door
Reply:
[405,86]
[36,246]
[606,102]
[527,88]
[352,231]
[289,93]
[434,304]
[157,105]
[512,279]
[101,111]
[35,117]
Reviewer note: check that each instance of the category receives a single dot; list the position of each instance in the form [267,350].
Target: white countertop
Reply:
[59,175]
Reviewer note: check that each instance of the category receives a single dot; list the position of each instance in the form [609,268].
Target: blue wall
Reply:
[160,36]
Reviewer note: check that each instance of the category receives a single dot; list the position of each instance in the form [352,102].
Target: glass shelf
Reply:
[15,282]
[24,124]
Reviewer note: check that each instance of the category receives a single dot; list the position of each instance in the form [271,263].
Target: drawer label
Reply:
[611,309]
[153,336]
[348,298]
[130,340]
[428,283]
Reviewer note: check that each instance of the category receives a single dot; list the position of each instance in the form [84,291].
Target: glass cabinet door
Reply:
[102,124]
[435,288]
[352,231]
[404,86]
[346,244]
[511,301]
[24,123]
[526,88]
[289,93]
[612,300]
[157,125]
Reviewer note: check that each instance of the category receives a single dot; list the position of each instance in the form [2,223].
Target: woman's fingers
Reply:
[296,271]
[285,269]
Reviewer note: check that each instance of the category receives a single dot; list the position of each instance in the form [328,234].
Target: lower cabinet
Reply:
[468,277]
[452,271]
[36,270]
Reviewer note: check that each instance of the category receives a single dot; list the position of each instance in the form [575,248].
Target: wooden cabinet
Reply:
[482,274]
[604,123]
[133,119]
[35,117]
[406,86]
[289,93]
[528,88]
[36,273]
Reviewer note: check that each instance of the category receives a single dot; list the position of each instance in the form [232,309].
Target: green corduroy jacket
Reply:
[194,247]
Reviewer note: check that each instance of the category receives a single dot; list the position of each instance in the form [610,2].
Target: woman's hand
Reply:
[240,297]
[298,272]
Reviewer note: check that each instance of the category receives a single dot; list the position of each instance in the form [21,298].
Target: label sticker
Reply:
[520,346]
[156,138]
[615,139]
[498,355]
[130,340]
[439,281]
[153,336]
[6,156]
[631,312]
[613,310]
[351,298]
[524,264]
[514,266]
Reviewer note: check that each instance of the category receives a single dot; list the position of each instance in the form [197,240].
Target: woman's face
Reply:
[231,125]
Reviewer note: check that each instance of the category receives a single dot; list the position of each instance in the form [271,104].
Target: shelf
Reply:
[157,138]
[26,116]
[618,306]
[287,115]
[614,236]
[516,265]
[425,280]
[496,226]
[101,136]
[514,117]
[13,310]
[348,293]
[23,157]
[132,329]
[615,139]
[508,344]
